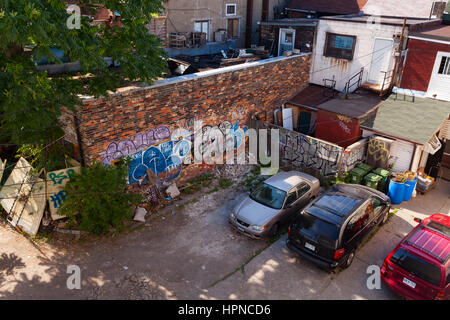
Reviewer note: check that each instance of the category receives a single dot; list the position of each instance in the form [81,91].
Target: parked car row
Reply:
[328,229]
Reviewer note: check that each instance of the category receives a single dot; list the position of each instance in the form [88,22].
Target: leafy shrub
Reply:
[97,199]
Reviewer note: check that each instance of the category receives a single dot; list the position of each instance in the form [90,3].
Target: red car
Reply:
[419,267]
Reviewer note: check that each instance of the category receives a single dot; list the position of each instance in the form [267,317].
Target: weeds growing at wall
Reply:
[97,199]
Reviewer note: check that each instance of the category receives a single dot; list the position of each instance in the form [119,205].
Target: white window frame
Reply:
[208,22]
[230,5]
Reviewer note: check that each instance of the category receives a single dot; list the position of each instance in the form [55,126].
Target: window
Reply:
[202,26]
[291,198]
[303,188]
[269,196]
[339,46]
[233,28]
[420,268]
[377,206]
[231,9]
[444,67]
[314,226]
[358,222]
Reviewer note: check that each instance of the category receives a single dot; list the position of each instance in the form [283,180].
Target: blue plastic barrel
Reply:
[409,188]
[396,192]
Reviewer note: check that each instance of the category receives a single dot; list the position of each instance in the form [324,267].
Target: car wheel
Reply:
[275,229]
[349,260]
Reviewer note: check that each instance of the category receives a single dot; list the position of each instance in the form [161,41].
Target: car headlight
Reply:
[258,228]
[232,215]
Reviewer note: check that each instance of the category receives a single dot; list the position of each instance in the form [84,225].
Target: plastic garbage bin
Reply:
[372,180]
[409,189]
[364,167]
[382,186]
[356,175]
[396,191]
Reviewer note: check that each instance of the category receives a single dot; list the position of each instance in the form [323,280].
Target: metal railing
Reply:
[356,79]
[387,81]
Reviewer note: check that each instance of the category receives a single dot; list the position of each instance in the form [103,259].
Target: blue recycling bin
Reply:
[409,189]
[396,192]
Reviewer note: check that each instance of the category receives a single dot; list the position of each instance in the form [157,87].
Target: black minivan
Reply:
[330,229]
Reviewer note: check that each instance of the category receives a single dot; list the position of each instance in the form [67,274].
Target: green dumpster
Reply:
[365,167]
[356,175]
[372,180]
[384,178]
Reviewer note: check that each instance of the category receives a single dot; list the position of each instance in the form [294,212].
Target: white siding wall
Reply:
[326,67]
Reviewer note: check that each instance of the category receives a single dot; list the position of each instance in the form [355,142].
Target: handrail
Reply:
[385,79]
[349,83]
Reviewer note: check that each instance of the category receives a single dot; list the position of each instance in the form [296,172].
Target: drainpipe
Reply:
[249,24]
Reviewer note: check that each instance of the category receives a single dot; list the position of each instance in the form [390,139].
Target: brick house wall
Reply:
[419,63]
[129,122]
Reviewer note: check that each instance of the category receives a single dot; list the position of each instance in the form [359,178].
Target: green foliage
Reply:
[31,100]
[97,199]
[225,183]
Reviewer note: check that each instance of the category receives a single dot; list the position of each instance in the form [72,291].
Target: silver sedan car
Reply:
[274,203]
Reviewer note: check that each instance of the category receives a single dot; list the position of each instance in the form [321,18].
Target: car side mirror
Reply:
[417,220]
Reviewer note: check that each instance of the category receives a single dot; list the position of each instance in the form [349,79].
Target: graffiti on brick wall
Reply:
[166,154]
[166,160]
[305,152]
[225,136]
[354,154]
[141,141]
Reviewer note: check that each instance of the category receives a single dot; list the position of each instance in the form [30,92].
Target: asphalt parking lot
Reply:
[190,252]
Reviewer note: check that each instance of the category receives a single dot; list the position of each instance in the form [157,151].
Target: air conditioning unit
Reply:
[220,36]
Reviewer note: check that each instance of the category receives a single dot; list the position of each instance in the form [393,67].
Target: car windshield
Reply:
[314,226]
[269,196]
[420,268]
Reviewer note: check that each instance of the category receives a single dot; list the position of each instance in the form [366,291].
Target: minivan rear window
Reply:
[314,226]
[417,266]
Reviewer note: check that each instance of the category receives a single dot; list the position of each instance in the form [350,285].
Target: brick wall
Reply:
[132,121]
[420,63]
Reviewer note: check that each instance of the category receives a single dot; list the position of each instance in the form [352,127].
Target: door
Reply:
[440,77]
[304,121]
[381,59]
[286,41]
[401,155]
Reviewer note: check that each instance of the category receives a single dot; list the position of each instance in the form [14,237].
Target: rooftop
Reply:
[384,20]
[327,6]
[311,96]
[409,118]
[357,105]
[435,33]
[290,22]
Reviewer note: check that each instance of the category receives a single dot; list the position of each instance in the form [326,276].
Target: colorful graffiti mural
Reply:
[170,153]
[141,141]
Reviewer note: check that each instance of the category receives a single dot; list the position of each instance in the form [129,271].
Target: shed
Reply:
[417,127]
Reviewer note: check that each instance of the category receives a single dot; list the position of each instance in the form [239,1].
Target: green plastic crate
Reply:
[356,175]
[372,180]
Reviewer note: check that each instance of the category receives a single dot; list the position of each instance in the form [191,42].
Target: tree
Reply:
[31,100]
[97,199]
